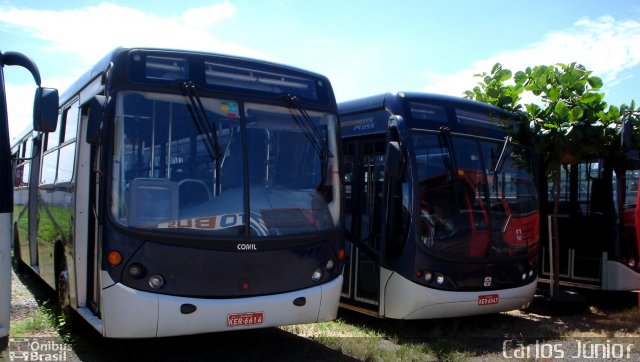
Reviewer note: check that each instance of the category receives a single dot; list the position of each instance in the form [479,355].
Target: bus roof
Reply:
[389,99]
[423,111]
[117,53]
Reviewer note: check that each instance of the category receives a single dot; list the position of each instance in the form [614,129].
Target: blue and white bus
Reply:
[186,192]
[442,220]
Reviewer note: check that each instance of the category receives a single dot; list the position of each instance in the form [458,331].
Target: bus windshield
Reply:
[180,169]
[468,207]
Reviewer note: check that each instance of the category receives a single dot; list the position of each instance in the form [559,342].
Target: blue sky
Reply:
[364,47]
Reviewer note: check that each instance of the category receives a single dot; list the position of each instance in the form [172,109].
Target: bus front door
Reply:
[87,255]
[364,178]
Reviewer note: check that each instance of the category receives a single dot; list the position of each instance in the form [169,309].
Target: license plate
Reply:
[488,299]
[245,319]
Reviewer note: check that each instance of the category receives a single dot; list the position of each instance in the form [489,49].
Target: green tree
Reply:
[494,90]
[571,121]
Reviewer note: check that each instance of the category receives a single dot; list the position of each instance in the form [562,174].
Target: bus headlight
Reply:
[632,262]
[317,275]
[136,270]
[330,264]
[428,276]
[156,281]
[524,276]
[439,279]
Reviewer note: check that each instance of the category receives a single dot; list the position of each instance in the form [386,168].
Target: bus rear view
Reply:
[443,220]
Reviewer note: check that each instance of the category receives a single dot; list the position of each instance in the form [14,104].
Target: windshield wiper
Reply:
[309,128]
[207,129]
[503,154]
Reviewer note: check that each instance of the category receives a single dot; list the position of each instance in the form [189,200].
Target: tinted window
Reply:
[428,112]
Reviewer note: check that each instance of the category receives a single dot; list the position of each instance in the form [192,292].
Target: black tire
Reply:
[62,281]
[17,258]
[62,289]
[4,343]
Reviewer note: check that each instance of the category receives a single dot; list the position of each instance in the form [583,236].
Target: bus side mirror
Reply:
[96,118]
[45,110]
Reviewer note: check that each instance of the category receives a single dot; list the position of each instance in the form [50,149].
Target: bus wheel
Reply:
[62,285]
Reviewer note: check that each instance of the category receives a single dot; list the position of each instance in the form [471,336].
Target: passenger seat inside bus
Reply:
[152,201]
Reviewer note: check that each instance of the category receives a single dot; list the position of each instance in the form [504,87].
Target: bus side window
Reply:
[28,147]
[66,158]
[52,139]
[71,122]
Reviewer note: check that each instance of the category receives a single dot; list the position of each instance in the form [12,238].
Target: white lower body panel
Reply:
[130,313]
[620,278]
[404,299]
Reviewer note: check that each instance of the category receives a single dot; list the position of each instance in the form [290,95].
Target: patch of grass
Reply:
[361,342]
[48,319]
[38,322]
[447,352]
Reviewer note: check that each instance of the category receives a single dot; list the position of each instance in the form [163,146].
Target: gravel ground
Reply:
[23,301]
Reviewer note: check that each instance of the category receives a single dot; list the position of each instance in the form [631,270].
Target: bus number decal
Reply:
[218,222]
[205,223]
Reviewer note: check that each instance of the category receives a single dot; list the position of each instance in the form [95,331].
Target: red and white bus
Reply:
[597,224]
[441,217]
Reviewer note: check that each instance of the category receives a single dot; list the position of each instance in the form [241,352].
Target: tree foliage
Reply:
[569,123]
[571,120]
[494,90]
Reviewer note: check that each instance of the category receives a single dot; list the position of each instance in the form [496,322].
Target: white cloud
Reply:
[19,107]
[606,46]
[20,102]
[87,34]
[91,32]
